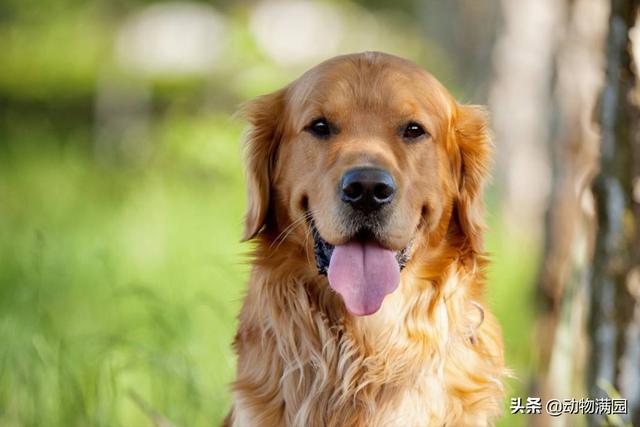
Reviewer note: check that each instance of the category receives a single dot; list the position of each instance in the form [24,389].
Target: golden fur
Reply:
[432,355]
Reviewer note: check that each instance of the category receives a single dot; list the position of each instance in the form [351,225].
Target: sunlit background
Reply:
[121,185]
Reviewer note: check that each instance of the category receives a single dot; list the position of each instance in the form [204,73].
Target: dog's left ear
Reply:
[264,115]
[474,147]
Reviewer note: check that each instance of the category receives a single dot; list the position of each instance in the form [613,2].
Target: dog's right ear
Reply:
[265,117]
[475,149]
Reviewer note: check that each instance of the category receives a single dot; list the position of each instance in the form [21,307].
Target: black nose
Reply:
[367,189]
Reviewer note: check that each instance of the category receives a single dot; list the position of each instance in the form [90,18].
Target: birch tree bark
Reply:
[614,323]
[519,98]
[570,218]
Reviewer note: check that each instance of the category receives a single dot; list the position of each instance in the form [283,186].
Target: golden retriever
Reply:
[364,306]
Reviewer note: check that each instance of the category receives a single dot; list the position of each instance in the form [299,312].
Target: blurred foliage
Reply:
[119,279]
[120,268]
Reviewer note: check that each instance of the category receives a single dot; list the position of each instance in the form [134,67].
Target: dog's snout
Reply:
[367,189]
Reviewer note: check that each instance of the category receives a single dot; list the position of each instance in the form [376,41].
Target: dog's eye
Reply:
[319,128]
[413,131]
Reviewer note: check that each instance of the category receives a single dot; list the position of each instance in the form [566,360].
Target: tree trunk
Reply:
[519,99]
[614,323]
[570,218]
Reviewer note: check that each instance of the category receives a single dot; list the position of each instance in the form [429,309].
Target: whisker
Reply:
[289,229]
[306,245]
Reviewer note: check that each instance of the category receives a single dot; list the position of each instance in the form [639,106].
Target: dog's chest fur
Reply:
[403,366]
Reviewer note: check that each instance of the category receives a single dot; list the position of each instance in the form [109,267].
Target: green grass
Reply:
[511,297]
[118,280]
[115,280]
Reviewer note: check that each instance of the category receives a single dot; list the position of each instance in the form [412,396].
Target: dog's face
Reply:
[371,155]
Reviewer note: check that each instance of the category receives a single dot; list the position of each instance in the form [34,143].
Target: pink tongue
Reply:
[363,273]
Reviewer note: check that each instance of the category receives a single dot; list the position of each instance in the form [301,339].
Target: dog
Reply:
[365,299]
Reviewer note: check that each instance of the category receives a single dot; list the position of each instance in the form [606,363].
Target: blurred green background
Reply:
[121,191]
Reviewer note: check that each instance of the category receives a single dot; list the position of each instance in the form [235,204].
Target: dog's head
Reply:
[370,155]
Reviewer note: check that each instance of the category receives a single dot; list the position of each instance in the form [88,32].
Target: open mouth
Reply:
[362,271]
[323,251]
